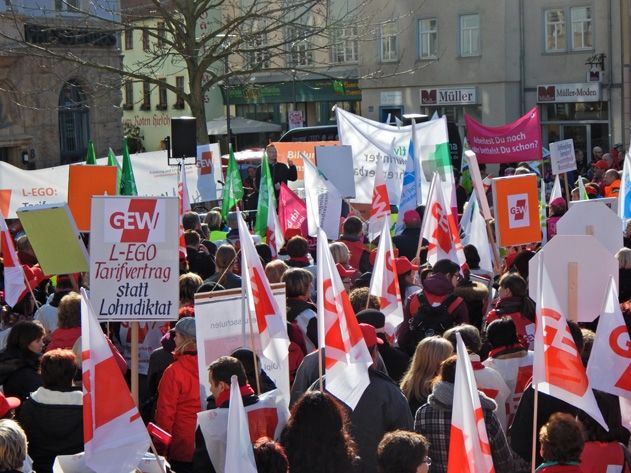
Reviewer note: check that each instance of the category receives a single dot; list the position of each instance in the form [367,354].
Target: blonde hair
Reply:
[340,252]
[624,258]
[13,445]
[429,354]
[69,311]
[225,257]
[274,270]
[297,281]
[189,283]
[213,220]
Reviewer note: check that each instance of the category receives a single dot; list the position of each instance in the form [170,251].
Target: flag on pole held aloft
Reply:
[274,237]
[543,216]
[233,188]
[582,192]
[239,452]
[477,235]
[384,282]
[266,189]
[469,447]
[14,280]
[380,207]
[556,189]
[324,202]
[624,195]
[90,157]
[112,161]
[558,370]
[128,182]
[292,211]
[114,435]
[347,358]
[409,194]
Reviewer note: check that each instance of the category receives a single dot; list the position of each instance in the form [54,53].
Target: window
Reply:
[344,45]
[257,56]
[145,40]
[300,51]
[162,95]
[179,84]
[162,34]
[428,37]
[470,35]
[129,38]
[74,122]
[555,30]
[581,28]
[389,42]
[129,95]
[146,96]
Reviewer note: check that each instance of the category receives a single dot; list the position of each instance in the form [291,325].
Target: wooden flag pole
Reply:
[321,368]
[572,291]
[496,254]
[256,362]
[567,189]
[533,458]
[134,361]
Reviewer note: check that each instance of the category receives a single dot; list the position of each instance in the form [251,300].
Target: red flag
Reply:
[380,207]
[292,211]
[14,282]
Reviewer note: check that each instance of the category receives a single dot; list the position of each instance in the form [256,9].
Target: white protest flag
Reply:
[625,412]
[477,235]
[582,192]
[409,192]
[543,216]
[14,281]
[624,195]
[384,283]
[239,452]
[467,217]
[184,203]
[469,447]
[275,238]
[324,202]
[261,302]
[558,370]
[114,435]
[609,366]
[440,229]
[556,189]
[346,355]
[435,116]
[380,207]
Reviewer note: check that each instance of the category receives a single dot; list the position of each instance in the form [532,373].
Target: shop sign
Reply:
[562,93]
[449,96]
[391,98]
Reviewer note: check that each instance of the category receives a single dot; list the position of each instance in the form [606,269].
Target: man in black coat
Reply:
[281,173]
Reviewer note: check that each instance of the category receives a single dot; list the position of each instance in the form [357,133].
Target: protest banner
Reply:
[84,182]
[55,238]
[134,267]
[292,150]
[562,157]
[223,325]
[336,162]
[516,206]
[611,202]
[513,142]
[593,218]
[580,267]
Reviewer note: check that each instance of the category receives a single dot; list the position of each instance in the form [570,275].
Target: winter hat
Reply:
[186,327]
[411,218]
[8,403]
[372,317]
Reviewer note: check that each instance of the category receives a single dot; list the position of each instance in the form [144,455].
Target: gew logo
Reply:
[135,221]
[518,211]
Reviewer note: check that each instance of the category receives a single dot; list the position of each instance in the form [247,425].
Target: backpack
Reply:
[433,320]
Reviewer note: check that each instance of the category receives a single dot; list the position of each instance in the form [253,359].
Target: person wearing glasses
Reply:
[403,452]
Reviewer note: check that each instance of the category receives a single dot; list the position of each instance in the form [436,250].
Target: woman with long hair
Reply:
[316,437]
[225,259]
[19,362]
[417,381]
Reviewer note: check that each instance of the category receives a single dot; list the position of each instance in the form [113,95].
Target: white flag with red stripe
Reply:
[558,370]
[346,355]
[440,228]
[469,447]
[609,366]
[384,283]
[275,238]
[14,281]
[239,452]
[380,207]
[184,202]
[271,326]
[114,435]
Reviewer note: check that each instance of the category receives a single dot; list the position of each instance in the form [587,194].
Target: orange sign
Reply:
[5,202]
[85,181]
[291,151]
[516,206]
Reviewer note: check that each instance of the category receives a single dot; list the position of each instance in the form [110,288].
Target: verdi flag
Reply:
[409,191]
[624,195]
[266,187]
[91,154]
[582,192]
[128,182]
[112,161]
[233,189]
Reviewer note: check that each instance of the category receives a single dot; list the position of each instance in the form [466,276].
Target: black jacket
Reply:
[281,173]
[200,263]
[407,243]
[18,373]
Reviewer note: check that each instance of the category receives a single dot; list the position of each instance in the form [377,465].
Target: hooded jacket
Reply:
[18,373]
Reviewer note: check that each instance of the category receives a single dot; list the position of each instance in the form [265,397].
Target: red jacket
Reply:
[558,468]
[63,338]
[597,457]
[178,405]
[356,249]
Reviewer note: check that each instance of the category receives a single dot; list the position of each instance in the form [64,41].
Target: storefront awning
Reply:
[240,126]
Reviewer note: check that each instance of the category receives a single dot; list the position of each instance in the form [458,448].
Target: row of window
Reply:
[146,95]
[161,33]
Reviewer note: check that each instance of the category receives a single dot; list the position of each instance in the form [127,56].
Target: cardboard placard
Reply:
[52,233]
[562,158]
[593,218]
[516,207]
[134,261]
[85,181]
[478,186]
[611,202]
[292,150]
[336,162]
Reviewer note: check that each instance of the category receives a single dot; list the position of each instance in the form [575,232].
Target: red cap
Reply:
[8,403]
[411,217]
[344,273]
[558,202]
[404,265]
[370,335]
[601,164]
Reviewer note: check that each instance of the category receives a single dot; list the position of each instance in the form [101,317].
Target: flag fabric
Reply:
[543,216]
[90,157]
[465,174]
[409,193]
[266,188]
[609,366]
[347,358]
[624,195]
[239,452]
[469,447]
[384,282]
[556,189]
[274,236]
[233,189]
[582,192]
[380,207]
[487,182]
[440,229]
[324,202]
[115,437]
[435,116]
[558,370]
[14,278]
[128,182]
[476,235]
[112,161]
[292,211]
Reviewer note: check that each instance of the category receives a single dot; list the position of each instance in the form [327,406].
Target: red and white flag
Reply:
[114,435]
[184,203]
[269,319]
[380,207]
[347,358]
[440,228]
[385,282]
[558,370]
[239,452]
[292,210]
[469,447]
[14,281]
[275,238]
[609,366]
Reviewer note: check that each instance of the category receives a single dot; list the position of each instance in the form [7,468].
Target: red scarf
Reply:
[496,351]
[224,396]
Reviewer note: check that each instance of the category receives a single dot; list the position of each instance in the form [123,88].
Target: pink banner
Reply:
[511,143]
[292,211]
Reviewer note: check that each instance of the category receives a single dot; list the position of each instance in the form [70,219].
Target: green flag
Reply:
[265,188]
[112,161]
[233,189]
[91,154]
[128,182]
